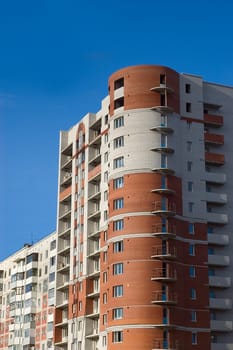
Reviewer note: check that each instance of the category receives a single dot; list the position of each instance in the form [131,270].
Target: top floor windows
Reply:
[162,79]
[31,258]
[118,83]
[119,102]
[187,88]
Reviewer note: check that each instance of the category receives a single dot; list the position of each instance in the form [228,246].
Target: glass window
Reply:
[192,271]
[191,228]
[118,291]
[51,276]
[118,162]
[117,337]
[117,269]
[105,298]
[163,161]
[32,257]
[190,207]
[119,102]
[118,203]
[117,313]
[105,157]
[192,249]
[53,245]
[193,316]
[211,272]
[118,142]
[187,88]
[194,338]
[118,122]
[118,247]
[193,293]
[190,186]
[118,182]
[118,225]
[118,83]
[188,107]
[189,166]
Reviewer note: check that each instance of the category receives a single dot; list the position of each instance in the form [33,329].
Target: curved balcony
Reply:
[162,298]
[163,190]
[163,275]
[163,149]
[162,89]
[160,252]
[164,209]
[164,231]
[162,129]
[162,109]
[164,169]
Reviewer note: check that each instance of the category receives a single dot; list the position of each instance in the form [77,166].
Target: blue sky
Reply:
[55,59]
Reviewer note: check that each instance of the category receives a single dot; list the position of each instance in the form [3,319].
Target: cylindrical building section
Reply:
[144,86]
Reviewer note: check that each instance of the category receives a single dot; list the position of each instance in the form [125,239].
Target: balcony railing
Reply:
[159,297]
[163,275]
[160,230]
[213,120]
[214,158]
[162,128]
[165,208]
[161,252]
[215,139]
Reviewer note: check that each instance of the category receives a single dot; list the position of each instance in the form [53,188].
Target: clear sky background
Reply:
[55,59]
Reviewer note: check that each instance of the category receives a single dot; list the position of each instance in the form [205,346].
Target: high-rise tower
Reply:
[144,217]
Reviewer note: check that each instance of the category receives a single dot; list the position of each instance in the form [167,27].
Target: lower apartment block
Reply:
[27,296]
[145,198]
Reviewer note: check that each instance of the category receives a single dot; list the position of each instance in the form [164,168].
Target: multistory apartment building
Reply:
[144,217]
[142,256]
[27,297]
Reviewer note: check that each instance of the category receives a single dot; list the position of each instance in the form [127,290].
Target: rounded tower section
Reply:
[144,196]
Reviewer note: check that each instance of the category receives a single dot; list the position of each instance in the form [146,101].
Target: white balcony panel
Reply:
[218,239]
[218,260]
[221,346]
[221,326]
[220,198]
[214,177]
[217,218]
[221,282]
[221,304]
